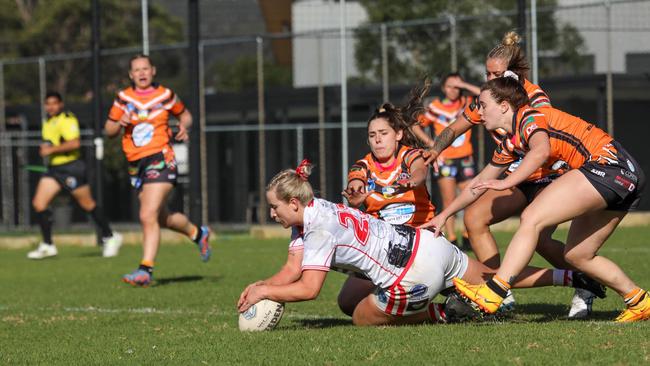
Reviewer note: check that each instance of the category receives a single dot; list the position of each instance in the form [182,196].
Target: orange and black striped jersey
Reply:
[573,140]
[149,131]
[387,200]
[536,96]
[442,113]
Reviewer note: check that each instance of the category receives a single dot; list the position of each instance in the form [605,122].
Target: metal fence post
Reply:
[321,119]
[533,40]
[344,97]
[609,79]
[7,176]
[261,116]
[202,137]
[384,63]
[42,85]
[300,141]
[453,42]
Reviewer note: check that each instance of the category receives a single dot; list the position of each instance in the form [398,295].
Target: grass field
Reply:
[73,309]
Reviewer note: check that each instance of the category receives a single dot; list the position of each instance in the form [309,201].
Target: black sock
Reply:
[146,268]
[44,219]
[496,288]
[98,215]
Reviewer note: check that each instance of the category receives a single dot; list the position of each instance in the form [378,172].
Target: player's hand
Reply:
[430,157]
[244,293]
[183,133]
[125,120]
[253,297]
[355,193]
[436,224]
[405,184]
[45,150]
[496,184]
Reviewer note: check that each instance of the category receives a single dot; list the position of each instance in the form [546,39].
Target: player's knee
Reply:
[575,258]
[39,206]
[345,304]
[531,220]
[148,217]
[475,220]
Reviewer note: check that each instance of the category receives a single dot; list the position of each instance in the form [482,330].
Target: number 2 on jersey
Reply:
[360,225]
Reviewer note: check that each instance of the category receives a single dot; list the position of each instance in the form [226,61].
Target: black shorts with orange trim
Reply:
[70,176]
[151,169]
[621,184]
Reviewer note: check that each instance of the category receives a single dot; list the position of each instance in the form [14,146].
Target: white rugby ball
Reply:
[264,315]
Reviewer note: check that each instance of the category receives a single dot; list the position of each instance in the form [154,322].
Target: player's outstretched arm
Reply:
[446,137]
[307,288]
[289,273]
[467,196]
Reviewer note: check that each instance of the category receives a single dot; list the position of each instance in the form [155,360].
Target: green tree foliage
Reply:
[425,49]
[40,27]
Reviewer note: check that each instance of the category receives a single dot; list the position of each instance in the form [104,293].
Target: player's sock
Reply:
[634,297]
[98,216]
[44,219]
[196,233]
[437,313]
[562,277]
[146,265]
[499,286]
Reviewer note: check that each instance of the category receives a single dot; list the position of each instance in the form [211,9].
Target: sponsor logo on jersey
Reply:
[419,292]
[597,172]
[623,182]
[629,175]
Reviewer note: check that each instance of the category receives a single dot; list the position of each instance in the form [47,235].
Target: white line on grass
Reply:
[92,309]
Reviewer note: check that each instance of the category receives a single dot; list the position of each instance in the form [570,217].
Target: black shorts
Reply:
[461,169]
[620,183]
[530,188]
[70,176]
[152,168]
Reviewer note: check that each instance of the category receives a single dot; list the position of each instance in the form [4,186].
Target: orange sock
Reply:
[635,296]
[147,263]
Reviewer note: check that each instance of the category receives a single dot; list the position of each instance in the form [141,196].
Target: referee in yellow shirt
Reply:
[60,147]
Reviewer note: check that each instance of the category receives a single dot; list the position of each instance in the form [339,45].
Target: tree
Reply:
[39,27]
[425,49]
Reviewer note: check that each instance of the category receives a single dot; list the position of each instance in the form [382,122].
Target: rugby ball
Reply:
[265,315]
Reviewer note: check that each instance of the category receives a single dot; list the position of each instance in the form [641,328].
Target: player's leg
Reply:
[447,187]
[110,240]
[492,207]
[153,197]
[46,189]
[587,234]
[179,222]
[353,291]
[569,196]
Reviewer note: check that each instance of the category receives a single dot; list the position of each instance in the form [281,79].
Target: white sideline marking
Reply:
[92,309]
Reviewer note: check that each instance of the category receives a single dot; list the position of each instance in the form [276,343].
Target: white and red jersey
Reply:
[342,238]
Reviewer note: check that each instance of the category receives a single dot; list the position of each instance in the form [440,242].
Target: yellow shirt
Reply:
[58,129]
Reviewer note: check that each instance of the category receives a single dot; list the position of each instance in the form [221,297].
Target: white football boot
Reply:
[43,251]
[112,245]
[581,304]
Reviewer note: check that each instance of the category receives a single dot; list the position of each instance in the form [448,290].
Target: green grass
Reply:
[74,310]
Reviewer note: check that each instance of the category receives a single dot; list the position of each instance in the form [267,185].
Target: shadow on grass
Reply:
[553,312]
[183,279]
[95,254]
[321,323]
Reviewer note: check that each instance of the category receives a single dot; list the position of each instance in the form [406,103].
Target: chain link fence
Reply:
[269,100]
